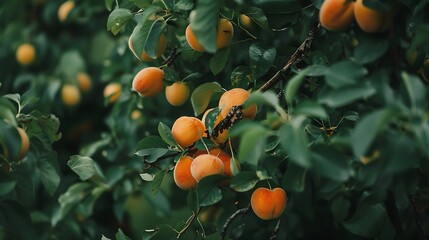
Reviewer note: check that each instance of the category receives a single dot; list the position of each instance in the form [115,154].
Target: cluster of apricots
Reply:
[338,15]
[225,33]
[71,92]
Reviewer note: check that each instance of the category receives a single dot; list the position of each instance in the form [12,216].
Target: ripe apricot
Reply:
[84,81]
[192,40]
[136,114]
[64,10]
[236,97]
[25,54]
[112,91]
[149,81]
[268,204]
[245,21]
[225,33]
[187,130]
[162,45]
[70,95]
[25,144]
[177,93]
[206,165]
[182,173]
[222,136]
[226,159]
[336,15]
[370,20]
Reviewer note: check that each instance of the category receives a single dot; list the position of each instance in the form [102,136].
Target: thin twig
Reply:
[296,57]
[276,230]
[188,223]
[242,211]
[418,220]
[173,55]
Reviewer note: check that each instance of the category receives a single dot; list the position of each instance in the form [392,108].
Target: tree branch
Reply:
[296,57]
[188,223]
[418,219]
[173,55]
[242,211]
[276,230]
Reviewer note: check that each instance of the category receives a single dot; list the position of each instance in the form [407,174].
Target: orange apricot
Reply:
[222,136]
[162,45]
[177,93]
[149,81]
[371,20]
[112,92]
[84,81]
[182,173]
[268,204]
[206,165]
[25,54]
[226,159]
[192,40]
[70,95]
[64,10]
[336,15]
[236,97]
[25,144]
[187,130]
[136,114]
[225,33]
[245,21]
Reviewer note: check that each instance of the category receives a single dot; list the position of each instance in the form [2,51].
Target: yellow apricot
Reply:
[187,130]
[226,159]
[148,82]
[136,114]
[236,97]
[225,33]
[25,144]
[206,165]
[162,45]
[336,15]
[25,54]
[112,91]
[64,10]
[177,93]
[192,40]
[70,95]
[245,21]
[268,204]
[370,20]
[84,81]
[182,173]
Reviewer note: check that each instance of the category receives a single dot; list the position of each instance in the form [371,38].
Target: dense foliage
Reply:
[336,117]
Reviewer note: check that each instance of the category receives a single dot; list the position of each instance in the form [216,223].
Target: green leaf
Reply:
[8,112]
[346,95]
[211,119]
[157,181]
[421,133]
[295,82]
[367,129]
[117,19]
[184,5]
[165,133]
[90,149]
[268,98]
[85,167]
[416,91]
[258,16]
[151,155]
[252,144]
[218,61]
[192,200]
[108,4]
[142,3]
[261,60]
[242,76]
[147,177]
[207,191]
[309,108]
[244,181]
[153,36]
[13,218]
[7,184]
[294,142]
[294,178]
[340,207]
[351,116]
[330,163]
[344,73]
[120,235]
[201,96]
[73,196]
[10,139]
[49,171]
[204,21]
[370,48]
[151,142]
[397,147]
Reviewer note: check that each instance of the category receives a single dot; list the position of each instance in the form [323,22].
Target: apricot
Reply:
[136,114]
[192,40]
[245,21]
[336,15]
[206,165]
[225,33]
[65,9]
[268,204]
[84,81]
[112,92]
[222,137]
[177,93]
[182,173]
[187,130]
[196,152]
[25,54]
[25,144]
[148,82]
[162,45]
[370,20]
[226,159]
[236,97]
[70,95]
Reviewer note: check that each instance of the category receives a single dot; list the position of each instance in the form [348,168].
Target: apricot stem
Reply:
[269,184]
[242,211]
[188,223]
